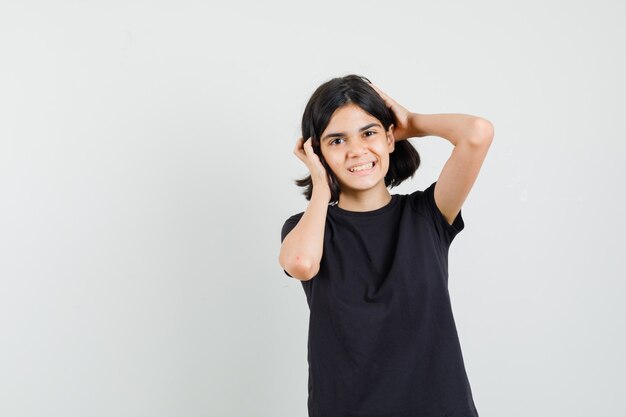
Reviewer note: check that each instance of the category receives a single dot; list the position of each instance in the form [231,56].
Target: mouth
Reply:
[363,169]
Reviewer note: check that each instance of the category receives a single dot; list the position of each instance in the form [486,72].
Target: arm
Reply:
[471,137]
[302,248]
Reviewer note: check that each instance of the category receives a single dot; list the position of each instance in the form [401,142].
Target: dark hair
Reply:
[336,93]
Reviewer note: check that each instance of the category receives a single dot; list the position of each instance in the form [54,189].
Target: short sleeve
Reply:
[424,203]
[289,224]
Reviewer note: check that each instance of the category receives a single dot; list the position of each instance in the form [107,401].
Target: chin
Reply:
[363,186]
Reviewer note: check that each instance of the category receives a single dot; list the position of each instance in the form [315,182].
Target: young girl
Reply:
[374,266]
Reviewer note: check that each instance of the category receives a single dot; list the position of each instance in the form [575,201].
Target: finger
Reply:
[308,144]
[378,90]
[301,143]
[388,100]
[383,95]
[308,148]
[299,149]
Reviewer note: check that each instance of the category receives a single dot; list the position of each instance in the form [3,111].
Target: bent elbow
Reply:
[301,269]
[483,132]
[303,274]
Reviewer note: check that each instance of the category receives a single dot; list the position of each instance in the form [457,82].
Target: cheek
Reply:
[385,163]
[335,169]
[328,162]
[332,162]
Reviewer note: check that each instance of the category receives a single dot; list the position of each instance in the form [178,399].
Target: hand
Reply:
[304,151]
[402,129]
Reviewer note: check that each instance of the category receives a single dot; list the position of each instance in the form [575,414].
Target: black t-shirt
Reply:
[382,338]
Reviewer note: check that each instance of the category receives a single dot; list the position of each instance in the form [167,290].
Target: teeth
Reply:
[362,167]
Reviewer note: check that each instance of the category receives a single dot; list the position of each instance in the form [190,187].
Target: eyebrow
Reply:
[339,134]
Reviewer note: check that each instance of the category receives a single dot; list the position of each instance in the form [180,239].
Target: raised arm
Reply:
[302,248]
[471,137]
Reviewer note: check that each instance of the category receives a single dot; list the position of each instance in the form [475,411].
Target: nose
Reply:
[357,148]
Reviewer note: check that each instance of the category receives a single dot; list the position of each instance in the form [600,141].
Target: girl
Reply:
[374,266]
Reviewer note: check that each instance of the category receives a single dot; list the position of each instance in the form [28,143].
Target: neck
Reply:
[364,200]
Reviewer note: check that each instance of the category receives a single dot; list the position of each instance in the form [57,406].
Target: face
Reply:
[356,139]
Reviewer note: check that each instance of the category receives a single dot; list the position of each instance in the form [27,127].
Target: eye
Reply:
[332,142]
[370,131]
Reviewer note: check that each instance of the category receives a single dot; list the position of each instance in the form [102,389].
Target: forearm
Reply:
[302,248]
[456,128]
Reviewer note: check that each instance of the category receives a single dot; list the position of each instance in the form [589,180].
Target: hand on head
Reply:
[304,151]
[402,128]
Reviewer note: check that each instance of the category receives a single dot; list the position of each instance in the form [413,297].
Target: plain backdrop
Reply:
[147,167]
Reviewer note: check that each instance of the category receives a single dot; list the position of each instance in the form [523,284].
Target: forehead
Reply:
[349,117]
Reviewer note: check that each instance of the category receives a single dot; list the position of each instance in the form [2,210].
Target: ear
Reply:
[391,140]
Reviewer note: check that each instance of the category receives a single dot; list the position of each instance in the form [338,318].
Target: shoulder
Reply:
[296,217]
[423,202]
[289,224]
[420,200]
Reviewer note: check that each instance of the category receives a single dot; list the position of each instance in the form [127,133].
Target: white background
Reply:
[146,170]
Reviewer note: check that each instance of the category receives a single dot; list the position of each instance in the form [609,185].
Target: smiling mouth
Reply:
[364,167]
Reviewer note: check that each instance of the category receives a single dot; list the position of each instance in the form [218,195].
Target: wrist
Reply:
[321,191]
[416,123]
